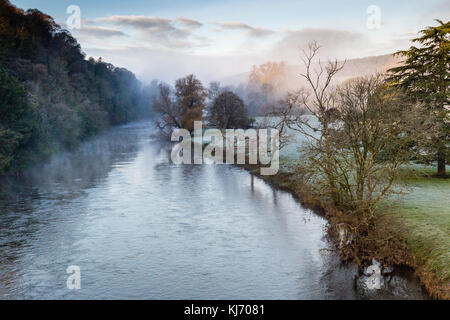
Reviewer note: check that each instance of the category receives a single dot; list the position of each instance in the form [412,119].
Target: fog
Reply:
[229,66]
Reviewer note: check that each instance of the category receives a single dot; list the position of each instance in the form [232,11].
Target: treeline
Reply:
[51,96]
[190,101]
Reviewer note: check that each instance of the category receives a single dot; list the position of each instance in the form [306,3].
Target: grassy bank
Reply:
[417,224]
[422,217]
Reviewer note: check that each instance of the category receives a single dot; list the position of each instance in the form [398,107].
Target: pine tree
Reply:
[425,75]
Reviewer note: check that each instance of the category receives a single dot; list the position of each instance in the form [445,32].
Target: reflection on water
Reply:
[140,227]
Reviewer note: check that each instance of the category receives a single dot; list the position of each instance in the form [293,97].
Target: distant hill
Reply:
[368,66]
[353,68]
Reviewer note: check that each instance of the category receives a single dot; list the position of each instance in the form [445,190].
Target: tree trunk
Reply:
[441,166]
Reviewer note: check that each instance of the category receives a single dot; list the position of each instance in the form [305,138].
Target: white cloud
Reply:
[189,23]
[100,32]
[160,32]
[252,31]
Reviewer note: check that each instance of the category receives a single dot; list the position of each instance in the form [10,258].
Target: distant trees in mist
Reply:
[190,101]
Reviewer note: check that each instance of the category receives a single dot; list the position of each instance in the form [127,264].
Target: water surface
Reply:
[140,227]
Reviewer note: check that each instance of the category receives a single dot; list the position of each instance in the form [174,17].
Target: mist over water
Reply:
[140,227]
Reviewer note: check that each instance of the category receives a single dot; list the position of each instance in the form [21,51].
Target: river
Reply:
[139,227]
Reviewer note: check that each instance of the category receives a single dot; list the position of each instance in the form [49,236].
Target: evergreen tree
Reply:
[425,75]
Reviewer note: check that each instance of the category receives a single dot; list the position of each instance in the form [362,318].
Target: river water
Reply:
[139,227]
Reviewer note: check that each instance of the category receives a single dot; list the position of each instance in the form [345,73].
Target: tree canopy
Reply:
[228,112]
[425,76]
[191,96]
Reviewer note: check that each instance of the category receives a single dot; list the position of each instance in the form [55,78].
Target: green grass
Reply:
[421,215]
[425,210]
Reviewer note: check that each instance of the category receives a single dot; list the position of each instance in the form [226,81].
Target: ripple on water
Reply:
[139,228]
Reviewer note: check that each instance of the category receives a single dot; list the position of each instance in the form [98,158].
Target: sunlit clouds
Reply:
[251,31]
[216,40]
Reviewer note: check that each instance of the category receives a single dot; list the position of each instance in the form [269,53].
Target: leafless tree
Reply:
[355,137]
[319,103]
[169,111]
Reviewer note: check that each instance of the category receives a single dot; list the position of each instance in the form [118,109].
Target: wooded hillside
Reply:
[51,96]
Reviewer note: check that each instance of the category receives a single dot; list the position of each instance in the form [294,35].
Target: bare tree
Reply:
[356,136]
[372,138]
[170,112]
[319,103]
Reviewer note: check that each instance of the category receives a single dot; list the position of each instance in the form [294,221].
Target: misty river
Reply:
[140,227]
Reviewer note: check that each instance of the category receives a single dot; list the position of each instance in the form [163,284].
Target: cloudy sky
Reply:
[167,39]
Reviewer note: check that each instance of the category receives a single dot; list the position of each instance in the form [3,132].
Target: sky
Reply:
[167,39]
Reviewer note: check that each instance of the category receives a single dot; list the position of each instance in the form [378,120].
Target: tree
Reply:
[190,95]
[371,137]
[213,91]
[425,76]
[317,101]
[169,111]
[17,119]
[269,76]
[228,112]
[266,82]
[71,98]
[355,137]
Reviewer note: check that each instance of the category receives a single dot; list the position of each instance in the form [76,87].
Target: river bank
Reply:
[399,240]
